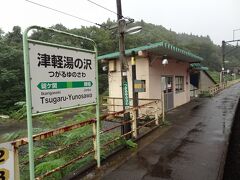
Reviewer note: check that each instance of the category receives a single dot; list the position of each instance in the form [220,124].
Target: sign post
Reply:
[58,77]
[61,77]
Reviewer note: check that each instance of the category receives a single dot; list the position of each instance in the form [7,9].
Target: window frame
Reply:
[179,84]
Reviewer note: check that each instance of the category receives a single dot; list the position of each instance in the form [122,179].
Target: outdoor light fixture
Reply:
[140,53]
[164,61]
[133,30]
[105,68]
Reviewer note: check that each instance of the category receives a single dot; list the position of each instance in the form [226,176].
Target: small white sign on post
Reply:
[61,78]
[6,161]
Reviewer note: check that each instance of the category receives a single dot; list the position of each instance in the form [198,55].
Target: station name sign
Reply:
[6,161]
[61,78]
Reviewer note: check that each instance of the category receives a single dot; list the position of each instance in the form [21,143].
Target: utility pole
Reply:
[223,61]
[234,33]
[224,53]
[124,82]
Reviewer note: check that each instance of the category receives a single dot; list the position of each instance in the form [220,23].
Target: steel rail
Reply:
[66,164]
[45,135]
[59,149]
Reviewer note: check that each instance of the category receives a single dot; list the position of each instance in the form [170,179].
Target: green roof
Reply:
[160,48]
[198,66]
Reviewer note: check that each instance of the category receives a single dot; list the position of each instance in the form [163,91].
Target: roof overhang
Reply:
[158,49]
[198,66]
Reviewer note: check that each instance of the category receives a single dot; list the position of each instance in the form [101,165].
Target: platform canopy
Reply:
[198,66]
[159,49]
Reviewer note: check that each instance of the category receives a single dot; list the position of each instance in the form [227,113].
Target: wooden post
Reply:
[163,108]
[156,113]
[134,123]
[94,129]
[113,104]
[16,164]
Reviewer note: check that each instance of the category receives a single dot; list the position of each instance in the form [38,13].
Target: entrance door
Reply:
[167,87]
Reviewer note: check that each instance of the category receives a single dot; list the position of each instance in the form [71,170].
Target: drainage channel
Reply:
[232,164]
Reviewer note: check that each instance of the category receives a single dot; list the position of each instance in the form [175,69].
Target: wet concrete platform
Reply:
[192,148]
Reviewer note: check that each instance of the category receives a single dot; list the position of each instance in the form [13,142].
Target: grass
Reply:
[215,75]
[50,121]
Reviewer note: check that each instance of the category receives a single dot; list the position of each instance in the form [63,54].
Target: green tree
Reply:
[11,70]
[11,59]
[14,37]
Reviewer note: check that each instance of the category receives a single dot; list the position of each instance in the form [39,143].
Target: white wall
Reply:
[205,82]
[114,78]
[173,68]
[152,73]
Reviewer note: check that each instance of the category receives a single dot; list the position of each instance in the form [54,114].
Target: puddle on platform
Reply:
[195,108]
[197,129]
[161,169]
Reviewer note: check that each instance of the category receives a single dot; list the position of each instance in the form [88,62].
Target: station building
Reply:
[171,79]
[200,80]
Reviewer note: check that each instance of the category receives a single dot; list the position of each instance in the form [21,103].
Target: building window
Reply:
[179,83]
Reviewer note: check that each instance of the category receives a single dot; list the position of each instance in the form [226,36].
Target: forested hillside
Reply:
[11,57]
[11,70]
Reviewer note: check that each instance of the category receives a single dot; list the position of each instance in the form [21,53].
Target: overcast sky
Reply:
[216,18]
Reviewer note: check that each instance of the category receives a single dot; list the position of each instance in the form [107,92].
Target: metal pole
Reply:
[223,59]
[98,148]
[125,95]
[163,106]
[134,77]
[29,104]
[234,33]
[134,94]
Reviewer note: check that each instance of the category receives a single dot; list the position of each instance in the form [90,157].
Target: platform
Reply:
[193,147]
